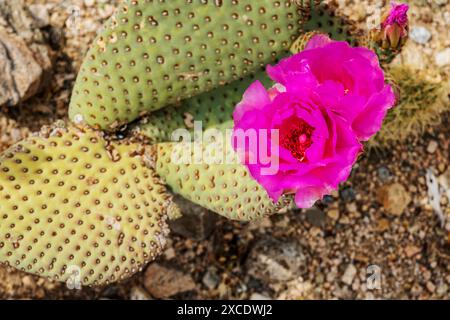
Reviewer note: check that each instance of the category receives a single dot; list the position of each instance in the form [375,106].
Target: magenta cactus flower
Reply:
[314,149]
[326,100]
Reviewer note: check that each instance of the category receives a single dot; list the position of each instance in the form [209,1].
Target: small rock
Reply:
[348,194]
[89,3]
[430,286]
[327,199]
[138,293]
[394,198]
[333,214]
[414,57]
[352,208]
[163,282]
[411,251]
[196,222]
[442,289]
[383,225]
[16,135]
[259,296]
[211,279]
[271,260]
[420,35]
[21,74]
[169,253]
[316,217]
[25,62]
[443,57]
[432,146]
[349,274]
[28,282]
[384,174]
[344,220]
[40,14]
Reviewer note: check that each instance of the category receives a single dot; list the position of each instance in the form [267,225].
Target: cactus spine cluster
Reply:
[76,197]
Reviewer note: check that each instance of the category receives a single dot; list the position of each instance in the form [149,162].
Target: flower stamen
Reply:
[296,137]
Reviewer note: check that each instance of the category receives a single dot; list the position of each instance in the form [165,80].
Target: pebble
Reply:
[211,279]
[316,217]
[170,253]
[25,68]
[412,251]
[272,260]
[89,3]
[443,57]
[28,281]
[432,146]
[16,135]
[40,14]
[447,17]
[430,286]
[333,214]
[344,220]
[394,198]
[442,289]
[259,296]
[348,194]
[349,274]
[420,35]
[383,225]
[352,208]
[196,222]
[328,199]
[384,174]
[138,293]
[164,282]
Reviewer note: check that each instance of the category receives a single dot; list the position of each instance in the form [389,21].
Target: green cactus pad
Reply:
[77,208]
[156,53]
[226,188]
[214,109]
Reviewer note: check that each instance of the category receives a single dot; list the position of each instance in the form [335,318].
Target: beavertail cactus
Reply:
[77,201]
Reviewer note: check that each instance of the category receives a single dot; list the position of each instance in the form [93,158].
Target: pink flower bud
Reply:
[394,28]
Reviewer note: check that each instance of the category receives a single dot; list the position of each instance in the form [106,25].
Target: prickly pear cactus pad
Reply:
[214,109]
[156,53]
[77,208]
[225,188]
